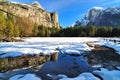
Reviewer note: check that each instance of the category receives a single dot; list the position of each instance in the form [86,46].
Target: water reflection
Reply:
[69,65]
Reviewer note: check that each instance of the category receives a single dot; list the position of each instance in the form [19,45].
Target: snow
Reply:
[98,8]
[83,76]
[97,66]
[72,52]
[108,75]
[32,46]
[105,74]
[77,48]
[91,16]
[59,39]
[25,77]
[84,22]
[46,46]
[17,49]
[2,75]
[113,10]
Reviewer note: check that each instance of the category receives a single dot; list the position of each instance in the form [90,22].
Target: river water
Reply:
[69,65]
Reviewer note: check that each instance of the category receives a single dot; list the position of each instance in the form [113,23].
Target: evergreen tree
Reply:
[16,32]
[41,29]
[91,30]
[83,34]
[35,30]
[116,32]
[47,32]
[2,25]
[9,29]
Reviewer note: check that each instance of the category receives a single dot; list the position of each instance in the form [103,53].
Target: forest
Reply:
[89,31]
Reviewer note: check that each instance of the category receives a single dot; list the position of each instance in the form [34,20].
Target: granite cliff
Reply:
[35,12]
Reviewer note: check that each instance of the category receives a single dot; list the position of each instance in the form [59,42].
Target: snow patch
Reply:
[98,8]
[108,75]
[25,77]
[83,76]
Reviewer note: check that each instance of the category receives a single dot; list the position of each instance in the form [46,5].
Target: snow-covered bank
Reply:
[110,42]
[60,39]
[44,45]
[83,76]
[48,45]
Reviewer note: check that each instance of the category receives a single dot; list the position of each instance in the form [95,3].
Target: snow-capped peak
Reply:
[99,16]
[98,8]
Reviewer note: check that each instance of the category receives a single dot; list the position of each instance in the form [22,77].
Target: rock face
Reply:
[98,16]
[37,4]
[34,12]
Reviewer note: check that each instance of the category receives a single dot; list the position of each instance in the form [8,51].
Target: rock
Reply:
[37,4]
[33,12]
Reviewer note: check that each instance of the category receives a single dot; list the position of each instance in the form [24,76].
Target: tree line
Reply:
[88,31]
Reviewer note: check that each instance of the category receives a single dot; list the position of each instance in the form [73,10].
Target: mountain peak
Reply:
[37,4]
[99,16]
[98,8]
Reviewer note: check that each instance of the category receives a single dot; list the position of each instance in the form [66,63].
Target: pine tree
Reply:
[2,25]
[41,29]
[16,32]
[9,29]
[35,30]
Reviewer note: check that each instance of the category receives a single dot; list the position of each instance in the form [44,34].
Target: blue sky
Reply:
[72,10]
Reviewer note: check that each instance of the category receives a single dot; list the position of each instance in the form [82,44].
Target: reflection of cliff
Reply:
[32,11]
[26,61]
